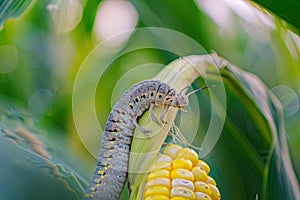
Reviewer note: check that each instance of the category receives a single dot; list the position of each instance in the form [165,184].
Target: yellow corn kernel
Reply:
[163,158]
[210,180]
[157,197]
[215,193]
[183,183]
[166,182]
[182,192]
[202,196]
[182,163]
[182,173]
[160,173]
[179,175]
[179,198]
[199,174]
[157,190]
[189,154]
[202,187]
[160,166]
[203,165]
[171,150]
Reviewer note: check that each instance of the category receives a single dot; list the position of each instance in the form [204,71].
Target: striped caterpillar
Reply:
[111,171]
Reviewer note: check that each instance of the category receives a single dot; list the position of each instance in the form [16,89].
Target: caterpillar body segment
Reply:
[119,137]
[123,156]
[112,167]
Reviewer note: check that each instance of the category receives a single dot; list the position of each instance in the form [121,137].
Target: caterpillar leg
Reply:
[162,116]
[152,115]
[134,121]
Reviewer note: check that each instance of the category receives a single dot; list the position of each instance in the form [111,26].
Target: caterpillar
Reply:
[111,170]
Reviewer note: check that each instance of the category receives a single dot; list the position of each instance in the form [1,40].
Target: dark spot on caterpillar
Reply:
[136,100]
[113,139]
[131,106]
[113,130]
[160,96]
[143,96]
[116,121]
[151,94]
[104,164]
[120,112]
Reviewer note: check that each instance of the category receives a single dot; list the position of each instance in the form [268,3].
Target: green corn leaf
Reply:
[287,10]
[262,151]
[279,180]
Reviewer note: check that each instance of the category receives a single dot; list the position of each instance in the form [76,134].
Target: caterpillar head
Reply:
[181,100]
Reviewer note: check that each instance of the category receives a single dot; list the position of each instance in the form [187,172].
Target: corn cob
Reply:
[178,174]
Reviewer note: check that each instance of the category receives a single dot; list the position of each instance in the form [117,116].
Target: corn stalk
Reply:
[178,74]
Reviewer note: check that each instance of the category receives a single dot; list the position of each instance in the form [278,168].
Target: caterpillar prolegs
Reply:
[111,171]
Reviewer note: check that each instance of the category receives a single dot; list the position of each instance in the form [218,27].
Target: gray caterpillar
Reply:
[111,171]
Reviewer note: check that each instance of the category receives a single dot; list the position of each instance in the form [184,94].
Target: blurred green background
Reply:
[42,50]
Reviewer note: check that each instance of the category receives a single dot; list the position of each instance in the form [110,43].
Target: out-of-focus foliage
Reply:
[42,51]
[287,10]
[13,8]
[34,164]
